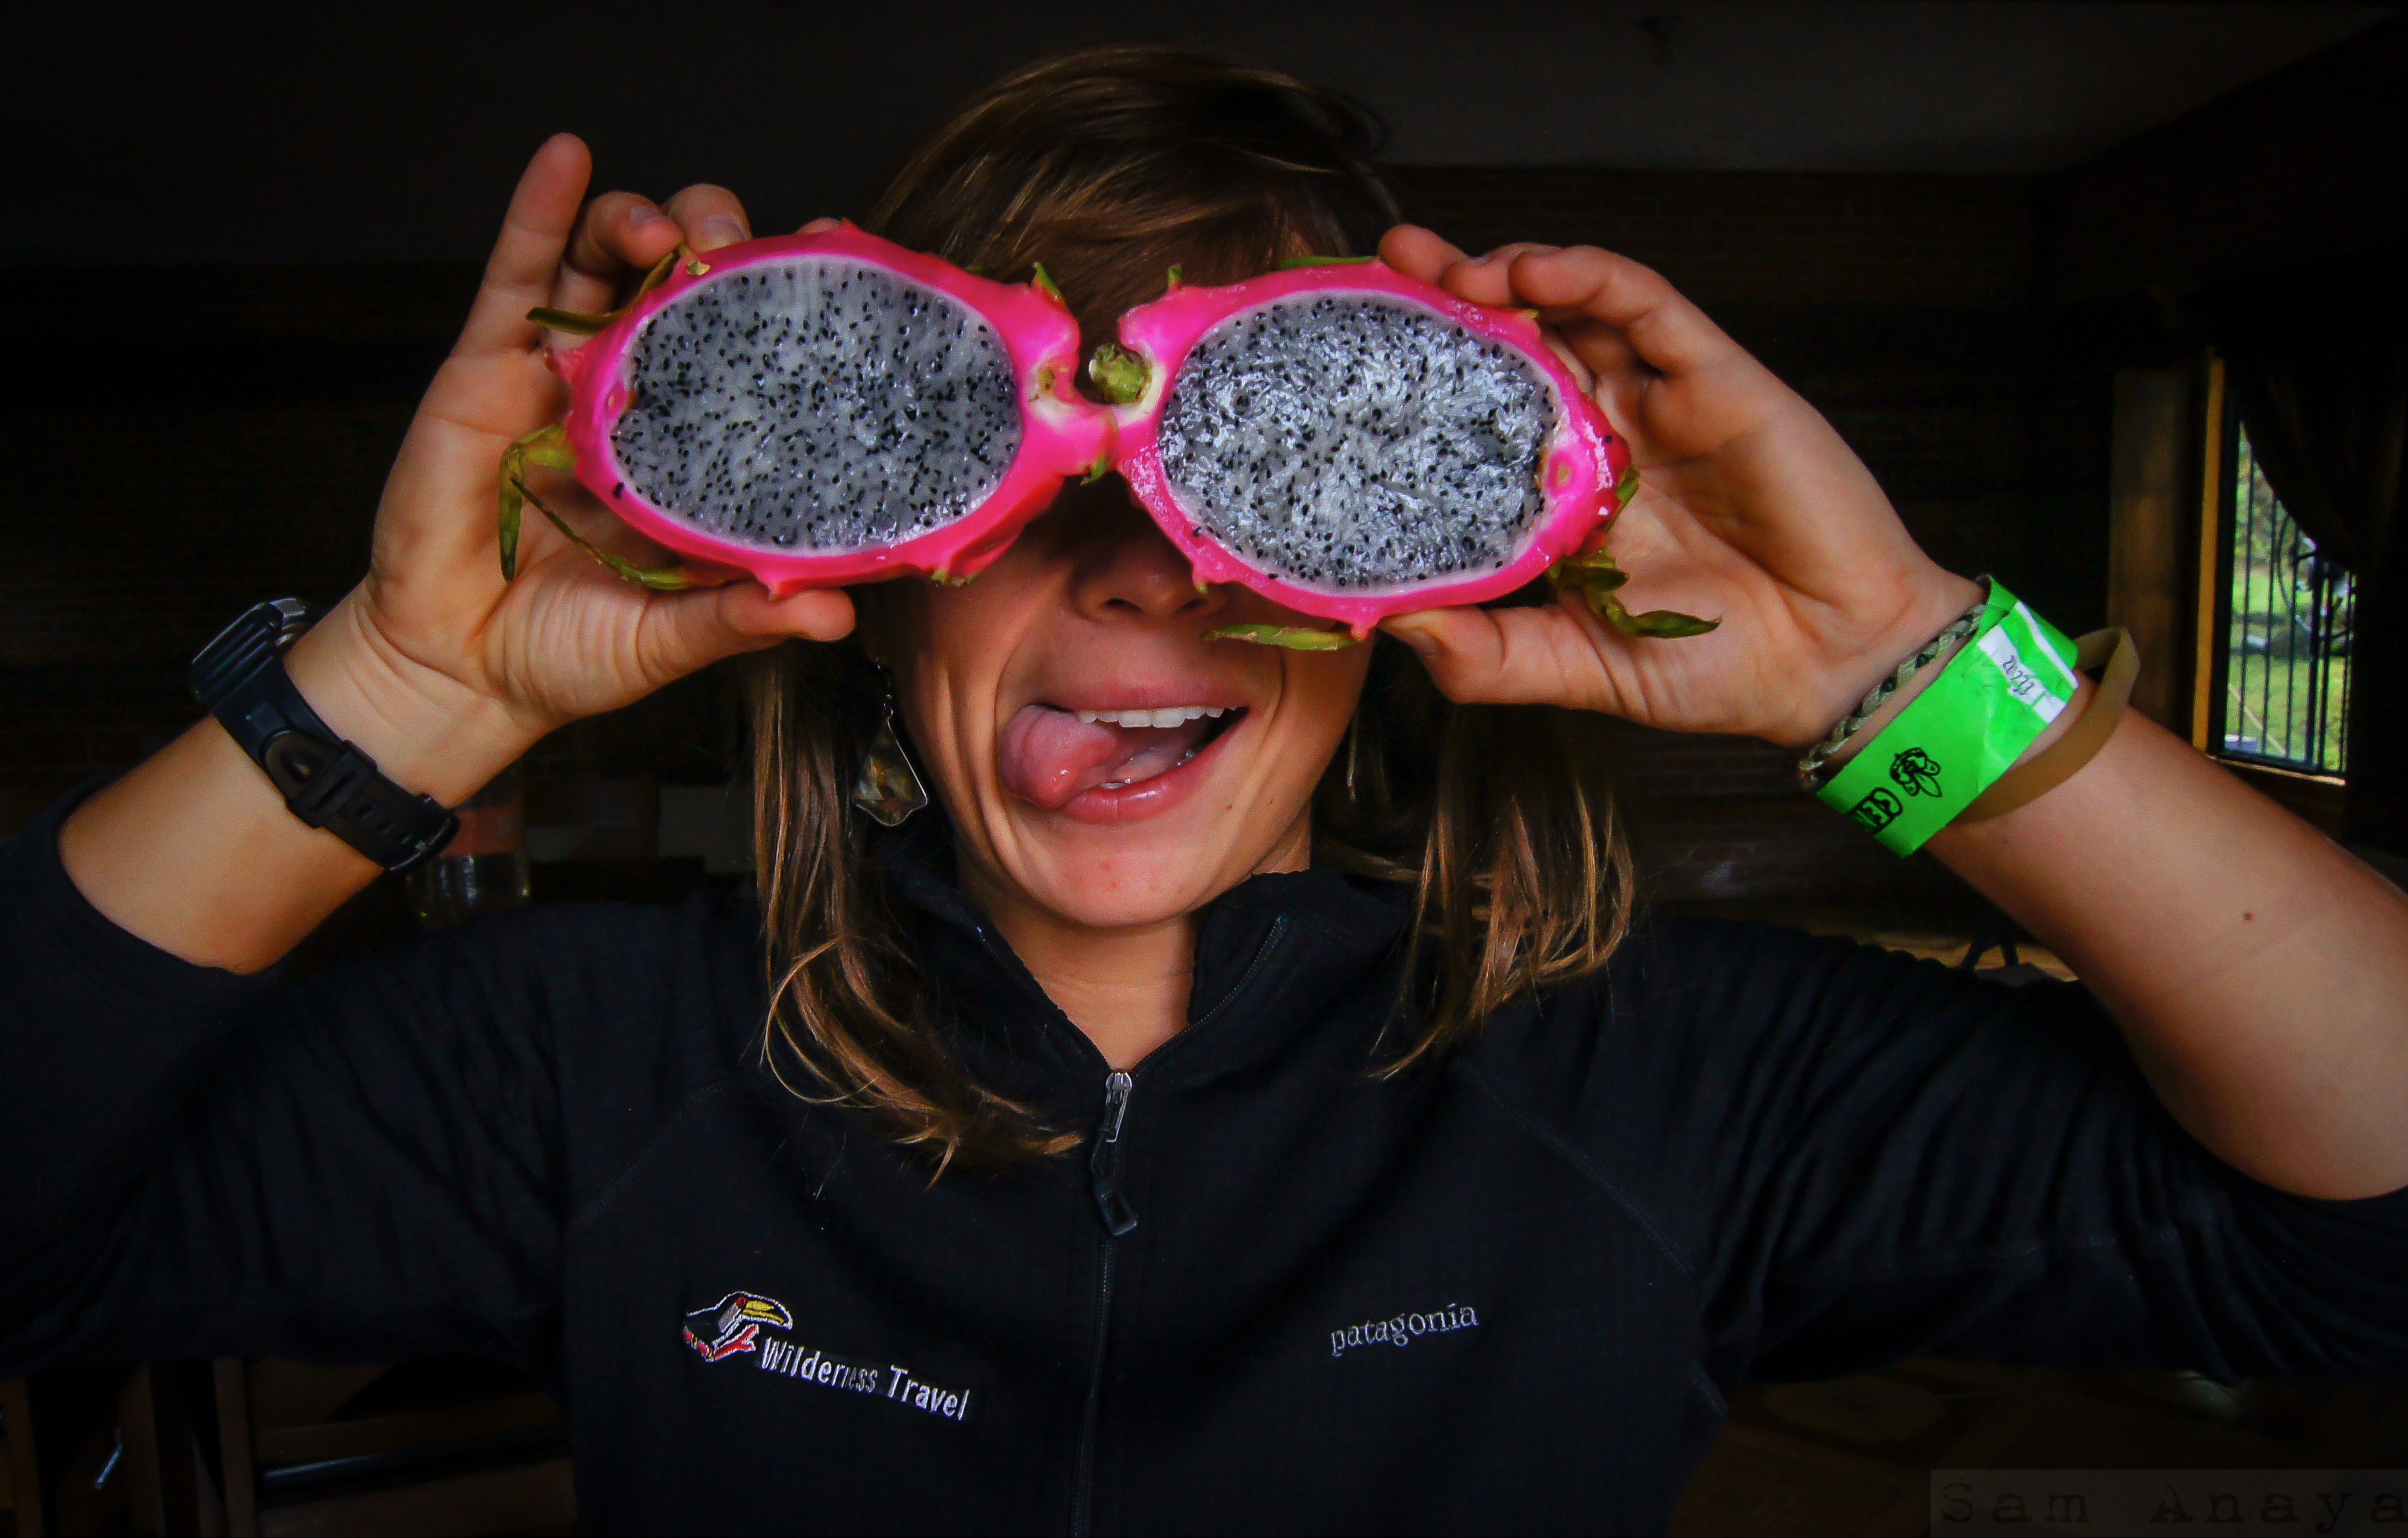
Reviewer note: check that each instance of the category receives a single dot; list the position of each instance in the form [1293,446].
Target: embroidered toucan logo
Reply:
[733,1324]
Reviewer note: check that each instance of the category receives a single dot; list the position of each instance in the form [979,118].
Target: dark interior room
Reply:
[2106,293]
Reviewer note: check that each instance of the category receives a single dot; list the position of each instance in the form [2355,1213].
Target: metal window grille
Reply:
[2289,613]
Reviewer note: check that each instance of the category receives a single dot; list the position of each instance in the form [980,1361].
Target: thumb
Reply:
[1465,650]
[1541,654]
[691,630]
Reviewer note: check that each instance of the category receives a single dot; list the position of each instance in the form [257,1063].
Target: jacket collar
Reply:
[1273,954]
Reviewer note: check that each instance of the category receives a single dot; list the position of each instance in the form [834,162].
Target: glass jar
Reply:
[483,870]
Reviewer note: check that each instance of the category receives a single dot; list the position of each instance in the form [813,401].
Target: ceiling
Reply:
[377,133]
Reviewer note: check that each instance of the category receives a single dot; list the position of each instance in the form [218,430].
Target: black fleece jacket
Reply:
[1505,1293]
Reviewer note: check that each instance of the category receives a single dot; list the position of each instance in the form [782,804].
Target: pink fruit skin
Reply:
[1062,435]
[1578,467]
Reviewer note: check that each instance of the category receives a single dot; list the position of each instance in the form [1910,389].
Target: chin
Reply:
[1125,878]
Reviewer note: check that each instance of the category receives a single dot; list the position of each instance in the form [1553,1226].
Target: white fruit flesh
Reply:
[817,404]
[1356,443]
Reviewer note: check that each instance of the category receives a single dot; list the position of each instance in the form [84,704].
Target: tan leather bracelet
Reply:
[2028,783]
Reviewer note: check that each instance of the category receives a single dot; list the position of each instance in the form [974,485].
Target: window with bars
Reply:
[2284,699]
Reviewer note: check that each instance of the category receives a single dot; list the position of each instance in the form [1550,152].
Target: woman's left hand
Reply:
[1750,509]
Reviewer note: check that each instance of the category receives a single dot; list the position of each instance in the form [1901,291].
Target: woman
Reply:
[1108,1160]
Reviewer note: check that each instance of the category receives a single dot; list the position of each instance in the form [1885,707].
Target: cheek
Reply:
[956,644]
[1318,699]
[1329,685]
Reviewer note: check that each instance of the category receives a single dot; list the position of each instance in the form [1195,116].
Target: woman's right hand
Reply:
[436,664]
[441,671]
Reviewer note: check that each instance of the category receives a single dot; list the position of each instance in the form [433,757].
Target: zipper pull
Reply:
[1104,1164]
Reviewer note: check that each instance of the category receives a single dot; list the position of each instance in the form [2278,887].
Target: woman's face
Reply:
[1099,756]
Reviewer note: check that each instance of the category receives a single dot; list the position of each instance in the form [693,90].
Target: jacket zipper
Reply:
[1106,1164]
[1104,1169]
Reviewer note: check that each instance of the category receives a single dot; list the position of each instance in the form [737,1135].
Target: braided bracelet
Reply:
[1811,768]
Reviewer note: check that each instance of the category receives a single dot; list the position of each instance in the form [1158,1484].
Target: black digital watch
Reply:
[327,782]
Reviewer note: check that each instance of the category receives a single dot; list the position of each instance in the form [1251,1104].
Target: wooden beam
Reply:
[2211,558]
[2304,164]
[24,1468]
[2146,584]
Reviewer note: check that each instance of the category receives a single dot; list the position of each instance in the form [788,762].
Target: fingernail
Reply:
[723,229]
[1413,636]
[641,214]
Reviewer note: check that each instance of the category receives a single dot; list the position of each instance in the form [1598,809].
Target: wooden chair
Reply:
[62,1474]
[455,1446]
[450,1446]
[21,1484]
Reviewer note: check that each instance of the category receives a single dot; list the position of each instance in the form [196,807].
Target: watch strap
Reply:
[326,782]
[245,646]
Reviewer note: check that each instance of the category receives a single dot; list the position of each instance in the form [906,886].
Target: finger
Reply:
[821,227]
[1489,280]
[1569,357]
[534,233]
[1604,351]
[690,630]
[1666,330]
[711,216]
[1418,253]
[618,232]
[1510,656]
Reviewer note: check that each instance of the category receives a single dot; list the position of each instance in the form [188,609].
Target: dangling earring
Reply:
[1354,744]
[888,787]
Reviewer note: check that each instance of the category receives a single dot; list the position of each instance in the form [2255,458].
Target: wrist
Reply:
[1907,694]
[428,731]
[1928,606]
[1950,749]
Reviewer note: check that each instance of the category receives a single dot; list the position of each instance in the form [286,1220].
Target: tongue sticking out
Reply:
[1049,755]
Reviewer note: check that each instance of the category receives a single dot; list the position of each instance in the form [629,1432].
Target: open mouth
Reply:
[1053,755]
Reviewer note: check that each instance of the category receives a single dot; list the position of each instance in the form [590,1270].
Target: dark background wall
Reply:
[1967,230]
[247,241]
[376,133]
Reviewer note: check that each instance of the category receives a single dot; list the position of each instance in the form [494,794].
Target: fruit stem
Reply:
[660,579]
[586,325]
[549,447]
[1296,637]
[1119,373]
[545,446]
[1594,576]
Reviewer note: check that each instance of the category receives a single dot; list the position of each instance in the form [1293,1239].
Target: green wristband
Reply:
[1963,732]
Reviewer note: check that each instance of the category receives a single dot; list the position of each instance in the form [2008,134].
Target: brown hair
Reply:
[1110,166]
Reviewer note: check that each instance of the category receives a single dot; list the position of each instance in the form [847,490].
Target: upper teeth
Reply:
[1169,715]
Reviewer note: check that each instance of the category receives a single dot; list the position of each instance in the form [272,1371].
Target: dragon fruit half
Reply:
[1352,443]
[821,409]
